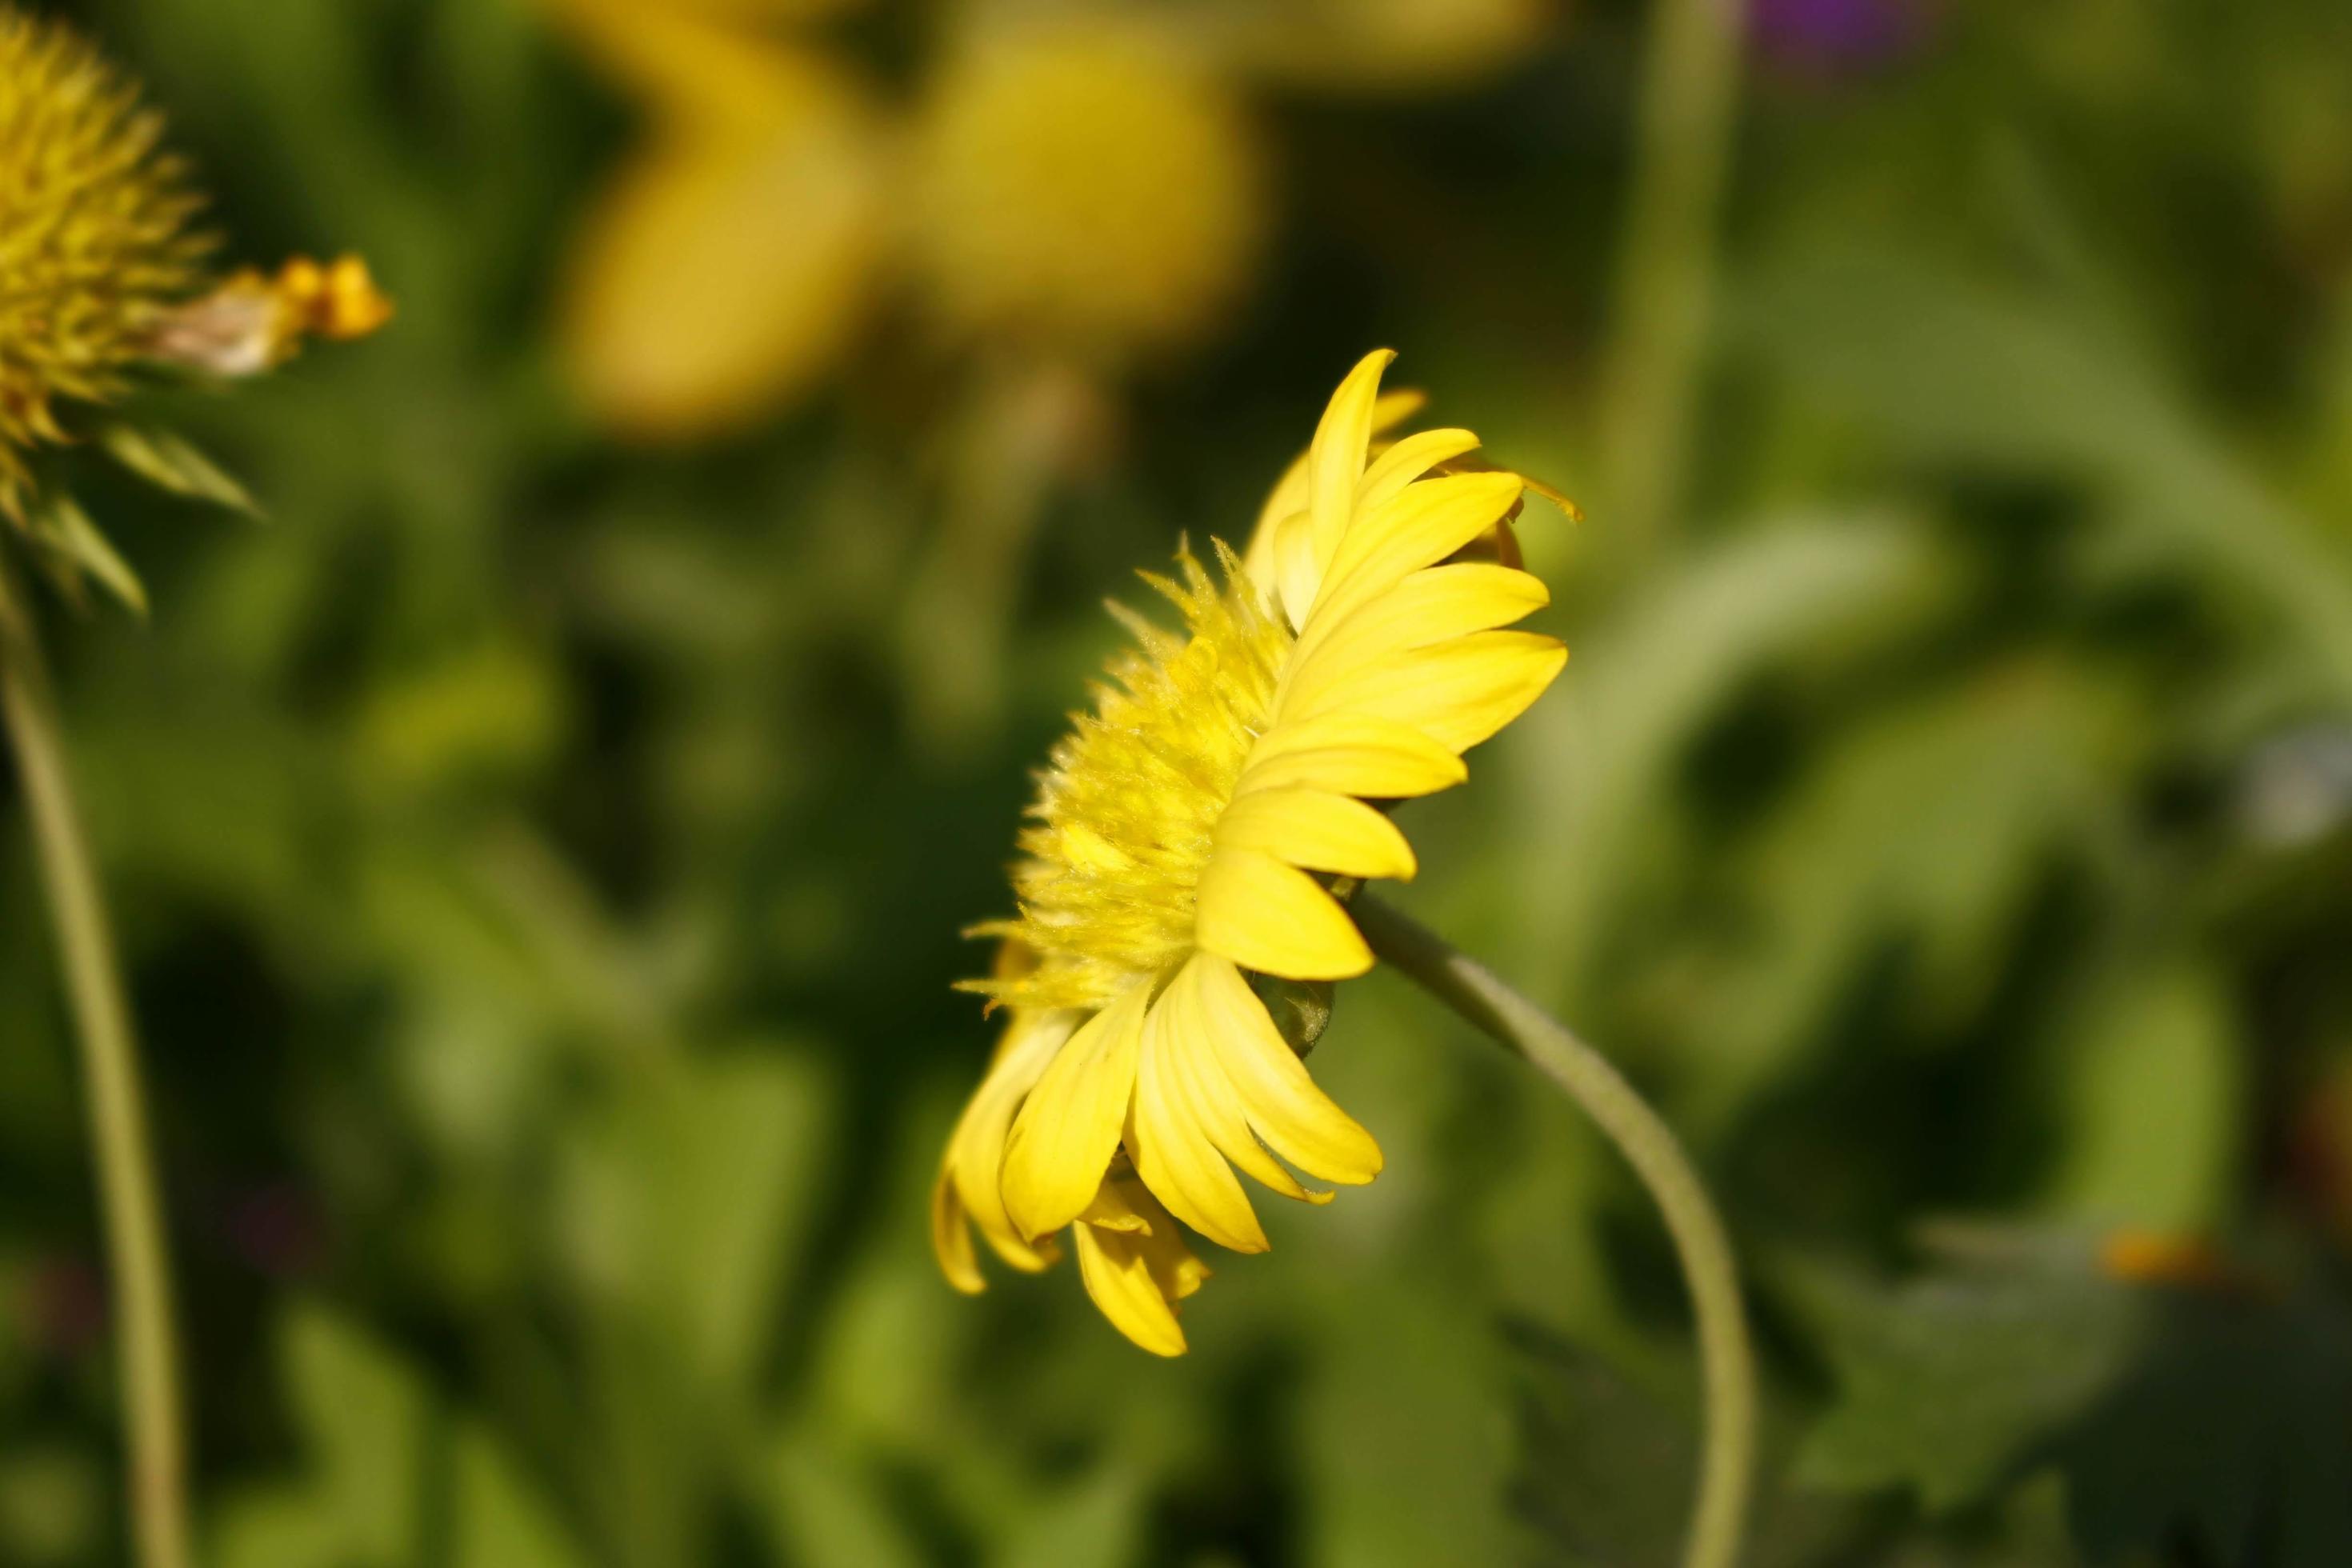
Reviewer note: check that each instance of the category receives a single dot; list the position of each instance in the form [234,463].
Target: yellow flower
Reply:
[1085,188]
[1080,186]
[1183,841]
[95,247]
[730,264]
[100,270]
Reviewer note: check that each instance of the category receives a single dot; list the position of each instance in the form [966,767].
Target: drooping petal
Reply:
[1168,1135]
[1457,693]
[951,1238]
[1318,831]
[1223,1109]
[1273,918]
[1063,1138]
[1136,1266]
[1295,1120]
[975,1154]
[1351,754]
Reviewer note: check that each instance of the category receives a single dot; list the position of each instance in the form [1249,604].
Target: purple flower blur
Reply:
[1838,35]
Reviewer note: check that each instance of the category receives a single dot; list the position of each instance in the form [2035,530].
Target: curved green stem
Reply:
[138,1265]
[1651,1148]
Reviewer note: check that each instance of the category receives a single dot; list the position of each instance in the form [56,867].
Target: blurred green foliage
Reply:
[541,892]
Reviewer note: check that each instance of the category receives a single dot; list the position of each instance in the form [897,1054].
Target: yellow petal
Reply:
[1350,753]
[1168,1137]
[975,1155]
[1292,552]
[1123,1226]
[951,1239]
[1289,492]
[1420,526]
[1117,1275]
[1334,463]
[722,275]
[1407,461]
[1457,693]
[1273,918]
[1224,1110]
[1068,1128]
[1430,607]
[1317,831]
[1297,1119]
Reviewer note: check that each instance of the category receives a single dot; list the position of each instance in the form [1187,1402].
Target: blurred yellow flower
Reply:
[1088,188]
[1182,841]
[730,264]
[101,270]
[1080,184]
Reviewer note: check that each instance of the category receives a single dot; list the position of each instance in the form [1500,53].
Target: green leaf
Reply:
[1605,1467]
[1096,1523]
[2010,378]
[2235,1435]
[2204,1414]
[828,1505]
[1592,761]
[1948,1385]
[690,1201]
[393,1477]
[170,461]
[74,547]
[1925,827]
[2153,1100]
[366,1415]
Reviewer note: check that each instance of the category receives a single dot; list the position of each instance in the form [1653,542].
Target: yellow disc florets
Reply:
[1084,188]
[1125,813]
[95,246]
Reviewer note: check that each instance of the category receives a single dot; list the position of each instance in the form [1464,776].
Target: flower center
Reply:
[1127,810]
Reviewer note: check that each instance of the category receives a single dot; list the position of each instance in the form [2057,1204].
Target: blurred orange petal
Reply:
[724,274]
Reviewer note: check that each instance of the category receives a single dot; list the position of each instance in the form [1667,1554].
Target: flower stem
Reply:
[138,1264]
[1650,1146]
[1689,110]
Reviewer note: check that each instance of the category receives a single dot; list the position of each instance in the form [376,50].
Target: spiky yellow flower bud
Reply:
[95,243]
[101,270]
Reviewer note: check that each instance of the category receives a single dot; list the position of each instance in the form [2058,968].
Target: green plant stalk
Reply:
[1664,286]
[138,1265]
[1719,1511]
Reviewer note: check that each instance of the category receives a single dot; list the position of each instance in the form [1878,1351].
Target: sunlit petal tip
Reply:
[1318,830]
[1274,917]
[951,1239]
[1169,1135]
[1118,1279]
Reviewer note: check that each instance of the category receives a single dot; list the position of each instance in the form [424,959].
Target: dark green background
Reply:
[542,893]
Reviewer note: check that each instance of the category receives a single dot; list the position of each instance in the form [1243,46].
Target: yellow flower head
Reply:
[1183,841]
[1083,187]
[95,246]
[100,267]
